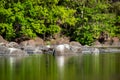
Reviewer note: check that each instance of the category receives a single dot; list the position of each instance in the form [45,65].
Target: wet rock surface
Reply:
[38,46]
[4,50]
[56,50]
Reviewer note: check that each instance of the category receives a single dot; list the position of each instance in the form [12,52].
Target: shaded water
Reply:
[48,67]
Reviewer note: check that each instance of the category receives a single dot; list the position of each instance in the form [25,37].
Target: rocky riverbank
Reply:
[56,47]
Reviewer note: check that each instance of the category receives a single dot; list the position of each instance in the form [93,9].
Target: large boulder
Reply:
[16,52]
[76,47]
[32,50]
[62,40]
[38,41]
[3,40]
[13,45]
[72,48]
[61,49]
[33,42]
[97,44]
[115,42]
[4,50]
[90,50]
[74,43]
[109,50]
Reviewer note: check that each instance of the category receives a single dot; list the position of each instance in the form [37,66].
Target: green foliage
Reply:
[86,37]
[39,27]
[52,29]
[93,20]
[6,30]
[32,18]
[82,20]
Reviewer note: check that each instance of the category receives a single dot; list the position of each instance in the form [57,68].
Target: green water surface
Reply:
[48,67]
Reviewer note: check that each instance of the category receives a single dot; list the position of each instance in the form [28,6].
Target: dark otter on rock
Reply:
[103,37]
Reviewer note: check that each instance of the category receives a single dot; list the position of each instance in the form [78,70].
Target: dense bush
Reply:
[82,20]
[93,18]
[32,18]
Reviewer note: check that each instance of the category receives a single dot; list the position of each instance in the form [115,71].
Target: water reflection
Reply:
[48,67]
[60,61]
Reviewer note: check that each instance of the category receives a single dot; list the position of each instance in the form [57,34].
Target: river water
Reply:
[48,67]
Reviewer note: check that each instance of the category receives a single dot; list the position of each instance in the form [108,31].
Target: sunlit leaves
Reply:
[39,28]
[6,30]
[82,20]
[65,15]
[54,29]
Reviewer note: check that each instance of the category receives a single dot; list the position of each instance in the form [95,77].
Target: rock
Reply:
[39,41]
[60,49]
[63,49]
[3,40]
[38,50]
[13,45]
[115,42]
[23,43]
[109,50]
[4,50]
[33,42]
[16,52]
[28,43]
[107,43]
[32,50]
[63,40]
[3,44]
[53,42]
[110,42]
[66,49]
[73,43]
[97,44]
[22,38]
[48,49]
[96,51]
[76,47]
[91,50]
